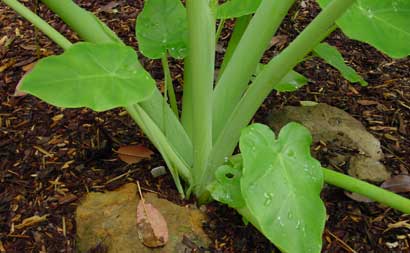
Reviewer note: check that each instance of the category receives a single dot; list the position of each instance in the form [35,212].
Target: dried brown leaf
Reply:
[398,184]
[152,227]
[357,197]
[134,153]
[110,7]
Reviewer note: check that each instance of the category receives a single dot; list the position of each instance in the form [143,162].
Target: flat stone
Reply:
[368,169]
[109,221]
[337,128]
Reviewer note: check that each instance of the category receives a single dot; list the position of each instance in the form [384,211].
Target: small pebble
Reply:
[158,171]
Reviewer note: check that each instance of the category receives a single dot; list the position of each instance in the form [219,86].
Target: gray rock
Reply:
[368,169]
[337,128]
[108,220]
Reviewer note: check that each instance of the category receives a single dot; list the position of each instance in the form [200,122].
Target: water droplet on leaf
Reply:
[290,215]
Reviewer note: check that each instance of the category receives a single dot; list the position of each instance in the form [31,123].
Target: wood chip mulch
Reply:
[50,157]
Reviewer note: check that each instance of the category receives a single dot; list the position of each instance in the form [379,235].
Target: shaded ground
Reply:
[50,157]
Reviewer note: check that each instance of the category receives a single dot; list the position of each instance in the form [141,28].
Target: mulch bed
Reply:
[50,157]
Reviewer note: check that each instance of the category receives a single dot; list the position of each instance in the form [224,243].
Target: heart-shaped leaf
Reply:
[333,57]
[161,27]
[281,185]
[384,24]
[98,76]
[237,8]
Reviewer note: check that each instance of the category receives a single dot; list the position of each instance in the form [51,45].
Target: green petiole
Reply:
[368,190]
[48,30]
[219,30]
[169,88]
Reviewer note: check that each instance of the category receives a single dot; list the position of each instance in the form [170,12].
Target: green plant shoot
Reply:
[274,183]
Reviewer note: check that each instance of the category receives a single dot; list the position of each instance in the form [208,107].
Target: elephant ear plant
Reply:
[274,182]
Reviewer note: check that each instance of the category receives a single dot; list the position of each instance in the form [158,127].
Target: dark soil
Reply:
[50,157]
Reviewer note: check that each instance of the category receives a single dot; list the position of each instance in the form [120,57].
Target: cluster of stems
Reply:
[214,112]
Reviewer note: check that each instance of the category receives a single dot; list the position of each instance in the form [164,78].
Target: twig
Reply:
[342,243]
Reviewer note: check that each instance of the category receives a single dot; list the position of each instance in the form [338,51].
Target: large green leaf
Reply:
[333,57]
[161,27]
[384,24]
[291,82]
[98,76]
[237,8]
[281,184]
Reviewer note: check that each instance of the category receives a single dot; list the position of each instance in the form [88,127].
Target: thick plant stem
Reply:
[48,30]
[89,27]
[176,165]
[368,190]
[201,44]
[277,68]
[187,100]
[92,29]
[169,88]
[235,78]
[241,24]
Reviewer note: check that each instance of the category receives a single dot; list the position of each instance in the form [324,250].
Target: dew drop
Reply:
[395,7]
[298,225]
[280,221]
[268,198]
[290,215]
[306,168]
[252,187]
[370,13]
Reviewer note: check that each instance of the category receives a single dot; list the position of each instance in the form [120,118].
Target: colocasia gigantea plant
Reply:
[274,182]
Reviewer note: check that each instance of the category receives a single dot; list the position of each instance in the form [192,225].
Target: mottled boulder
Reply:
[339,130]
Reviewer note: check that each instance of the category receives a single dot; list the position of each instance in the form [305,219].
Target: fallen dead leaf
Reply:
[31,221]
[357,197]
[134,153]
[152,227]
[397,184]
[110,7]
